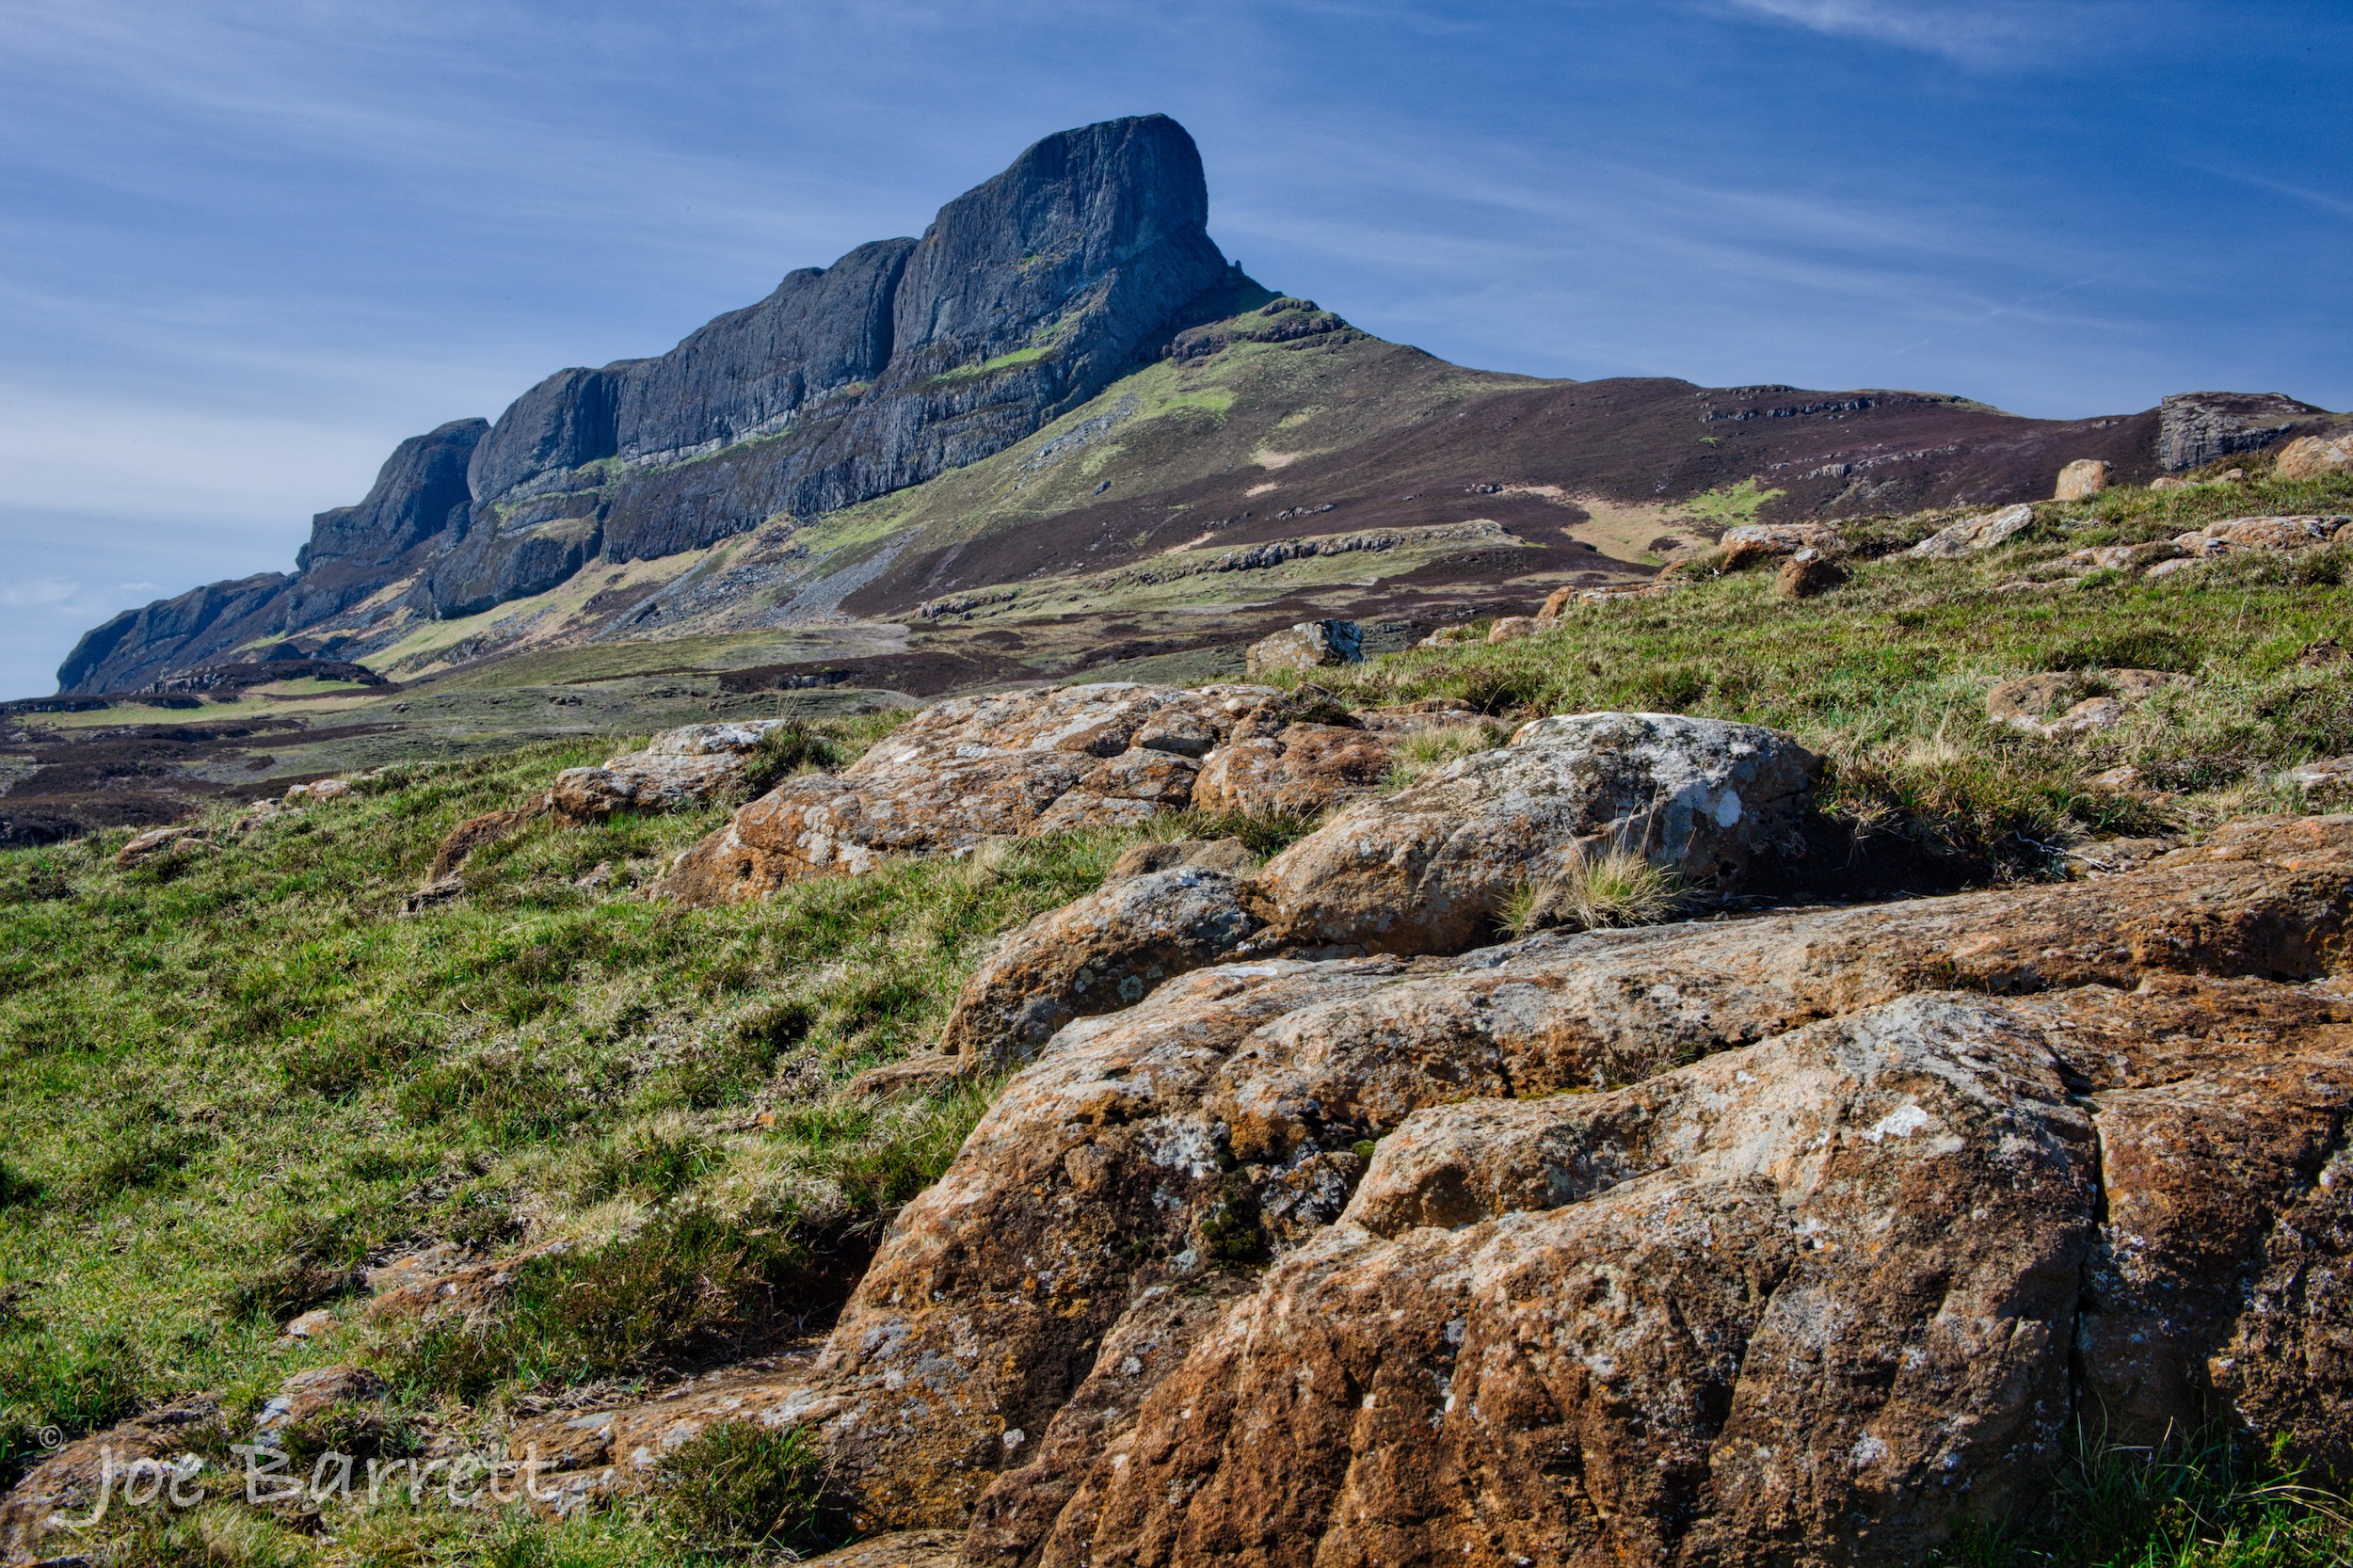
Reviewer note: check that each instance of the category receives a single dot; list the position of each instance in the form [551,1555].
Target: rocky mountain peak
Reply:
[1023,298]
[1076,220]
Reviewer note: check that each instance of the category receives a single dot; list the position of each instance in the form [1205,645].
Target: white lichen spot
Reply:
[1901,1122]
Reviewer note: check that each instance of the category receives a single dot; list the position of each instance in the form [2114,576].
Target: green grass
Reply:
[2210,1502]
[233,1079]
[1729,507]
[1615,888]
[1427,750]
[990,366]
[1888,675]
[738,1484]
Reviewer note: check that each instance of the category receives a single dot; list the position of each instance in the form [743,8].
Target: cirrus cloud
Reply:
[1973,32]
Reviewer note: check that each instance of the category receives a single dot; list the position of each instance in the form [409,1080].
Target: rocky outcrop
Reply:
[1808,574]
[1310,646]
[1104,952]
[1430,868]
[750,370]
[1115,755]
[678,770]
[418,504]
[161,843]
[1813,1293]
[1230,855]
[1025,296]
[1298,770]
[2274,536]
[442,880]
[1427,868]
[1971,536]
[566,421]
[2196,428]
[1751,543]
[498,560]
[1111,755]
[2083,479]
[419,495]
[1800,1237]
[2074,702]
[69,1481]
[2312,457]
[140,646]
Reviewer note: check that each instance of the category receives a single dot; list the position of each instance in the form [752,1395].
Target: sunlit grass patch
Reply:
[1425,751]
[232,1088]
[1888,675]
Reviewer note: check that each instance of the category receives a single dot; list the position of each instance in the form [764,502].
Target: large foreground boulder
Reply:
[1818,1290]
[1801,1239]
[1430,868]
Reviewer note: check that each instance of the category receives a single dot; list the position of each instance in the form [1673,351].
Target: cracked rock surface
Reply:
[1799,1237]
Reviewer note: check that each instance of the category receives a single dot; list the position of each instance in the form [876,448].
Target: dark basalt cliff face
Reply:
[137,644]
[2197,428]
[1025,298]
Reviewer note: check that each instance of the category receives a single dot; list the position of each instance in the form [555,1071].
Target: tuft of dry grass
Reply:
[1425,751]
[1600,891]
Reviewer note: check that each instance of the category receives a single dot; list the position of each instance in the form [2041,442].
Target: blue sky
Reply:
[245,248]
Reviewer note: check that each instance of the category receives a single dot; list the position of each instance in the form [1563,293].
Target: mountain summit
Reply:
[1025,296]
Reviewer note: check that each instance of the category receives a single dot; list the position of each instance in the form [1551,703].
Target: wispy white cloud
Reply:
[111,456]
[2335,206]
[309,76]
[1973,32]
[39,593]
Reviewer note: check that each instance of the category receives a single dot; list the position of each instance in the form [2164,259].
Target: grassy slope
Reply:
[1888,675]
[231,1079]
[1176,422]
[229,1083]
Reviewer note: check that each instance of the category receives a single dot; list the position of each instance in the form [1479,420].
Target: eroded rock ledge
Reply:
[1793,1239]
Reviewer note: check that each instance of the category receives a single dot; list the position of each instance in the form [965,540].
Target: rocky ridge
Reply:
[1812,1233]
[1025,296]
